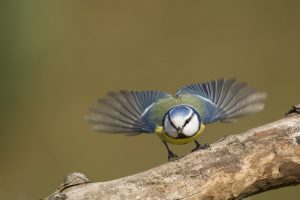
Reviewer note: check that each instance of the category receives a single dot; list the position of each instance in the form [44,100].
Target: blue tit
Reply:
[176,119]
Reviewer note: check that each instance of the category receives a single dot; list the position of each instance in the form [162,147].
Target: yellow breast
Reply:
[164,136]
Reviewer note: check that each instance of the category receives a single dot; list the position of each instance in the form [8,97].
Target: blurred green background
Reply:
[58,57]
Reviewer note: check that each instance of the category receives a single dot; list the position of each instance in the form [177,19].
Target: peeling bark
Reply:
[236,167]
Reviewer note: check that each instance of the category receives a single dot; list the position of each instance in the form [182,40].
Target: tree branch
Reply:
[236,167]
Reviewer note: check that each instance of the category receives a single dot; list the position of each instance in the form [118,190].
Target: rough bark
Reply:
[235,167]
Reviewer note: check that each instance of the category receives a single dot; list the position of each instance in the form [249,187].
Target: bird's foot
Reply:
[173,157]
[295,110]
[198,147]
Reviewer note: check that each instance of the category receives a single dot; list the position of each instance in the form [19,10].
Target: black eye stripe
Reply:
[171,122]
[188,120]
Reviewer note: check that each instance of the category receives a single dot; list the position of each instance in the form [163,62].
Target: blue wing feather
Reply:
[225,99]
[125,112]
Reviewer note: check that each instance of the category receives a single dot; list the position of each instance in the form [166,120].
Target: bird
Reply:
[176,119]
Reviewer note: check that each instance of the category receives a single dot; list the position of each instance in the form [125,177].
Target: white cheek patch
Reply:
[192,127]
[169,129]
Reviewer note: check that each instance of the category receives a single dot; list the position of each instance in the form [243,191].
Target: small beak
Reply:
[179,129]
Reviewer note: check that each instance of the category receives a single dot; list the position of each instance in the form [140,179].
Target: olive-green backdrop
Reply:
[58,57]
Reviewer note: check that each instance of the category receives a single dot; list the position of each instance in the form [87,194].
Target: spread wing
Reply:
[125,112]
[225,99]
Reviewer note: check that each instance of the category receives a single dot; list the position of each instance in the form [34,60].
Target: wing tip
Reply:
[230,97]
[123,111]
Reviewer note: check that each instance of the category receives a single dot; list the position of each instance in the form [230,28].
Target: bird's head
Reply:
[181,122]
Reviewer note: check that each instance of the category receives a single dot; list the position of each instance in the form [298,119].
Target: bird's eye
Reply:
[187,121]
[192,127]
